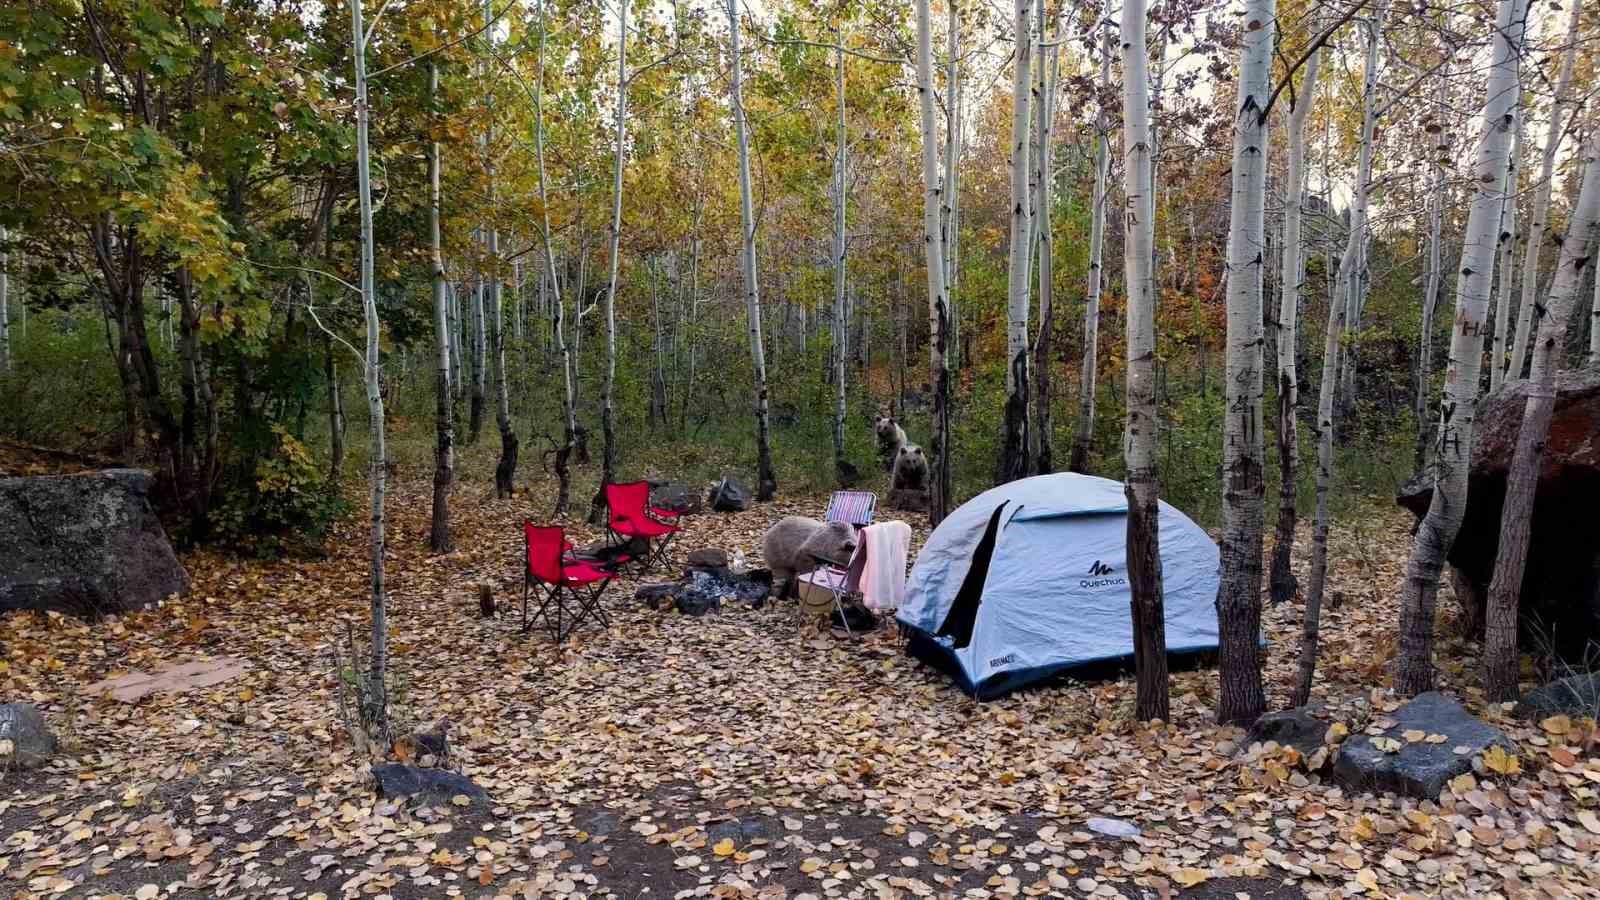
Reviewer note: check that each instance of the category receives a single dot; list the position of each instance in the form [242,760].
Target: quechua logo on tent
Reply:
[1097,576]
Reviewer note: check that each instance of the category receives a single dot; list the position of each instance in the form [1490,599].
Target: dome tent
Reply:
[1030,578]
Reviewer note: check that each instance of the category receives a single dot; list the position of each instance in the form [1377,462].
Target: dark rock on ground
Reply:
[676,496]
[697,604]
[1297,728]
[729,495]
[434,742]
[32,742]
[1418,769]
[846,473]
[1577,696]
[1561,589]
[657,596]
[84,544]
[436,786]
[740,831]
[908,500]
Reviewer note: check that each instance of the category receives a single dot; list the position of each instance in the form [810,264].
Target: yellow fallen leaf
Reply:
[723,847]
[810,864]
[1413,735]
[1556,724]
[1386,744]
[1496,759]
[246,695]
[1436,738]
[1189,877]
[461,800]
[1589,820]
[1367,879]
[1337,732]
[147,892]
[1364,830]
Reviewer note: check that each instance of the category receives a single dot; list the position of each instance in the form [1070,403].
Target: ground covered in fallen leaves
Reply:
[737,755]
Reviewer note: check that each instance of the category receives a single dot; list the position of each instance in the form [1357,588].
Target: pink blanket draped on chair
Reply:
[878,568]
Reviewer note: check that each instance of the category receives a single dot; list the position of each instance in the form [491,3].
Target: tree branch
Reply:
[1316,44]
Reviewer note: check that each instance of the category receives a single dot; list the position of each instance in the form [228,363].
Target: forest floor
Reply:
[736,755]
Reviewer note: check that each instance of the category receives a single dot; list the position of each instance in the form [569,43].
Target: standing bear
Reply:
[790,545]
[891,437]
[908,485]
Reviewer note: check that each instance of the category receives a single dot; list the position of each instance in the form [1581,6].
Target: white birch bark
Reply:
[1522,481]
[376,716]
[1291,275]
[934,257]
[1541,199]
[1594,325]
[840,329]
[766,477]
[444,416]
[952,181]
[1139,439]
[1083,435]
[1459,405]
[1500,362]
[505,470]
[1343,285]
[608,452]
[5,307]
[1014,446]
[1042,447]
[1431,283]
[480,356]
[1242,698]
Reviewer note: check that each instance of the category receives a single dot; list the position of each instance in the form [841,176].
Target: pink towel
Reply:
[878,568]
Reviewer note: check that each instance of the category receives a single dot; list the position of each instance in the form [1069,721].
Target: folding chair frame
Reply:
[559,625]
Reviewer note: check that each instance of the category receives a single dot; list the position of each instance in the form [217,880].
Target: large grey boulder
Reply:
[1419,768]
[1577,696]
[25,739]
[84,544]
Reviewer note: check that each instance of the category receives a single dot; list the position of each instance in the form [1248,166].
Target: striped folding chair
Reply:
[854,507]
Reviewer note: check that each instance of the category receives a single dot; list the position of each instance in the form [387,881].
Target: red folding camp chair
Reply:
[564,579]
[630,518]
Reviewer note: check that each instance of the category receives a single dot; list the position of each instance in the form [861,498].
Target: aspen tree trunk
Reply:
[938,305]
[1500,363]
[658,375]
[766,477]
[840,328]
[1430,301]
[1594,326]
[569,411]
[1043,451]
[1139,439]
[479,361]
[1522,481]
[444,417]
[5,307]
[1282,582]
[1541,200]
[1459,406]
[1242,699]
[330,371]
[608,453]
[1083,434]
[1347,282]
[505,471]
[376,717]
[1015,441]
[952,182]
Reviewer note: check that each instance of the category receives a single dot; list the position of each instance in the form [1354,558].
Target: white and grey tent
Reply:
[1030,578]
